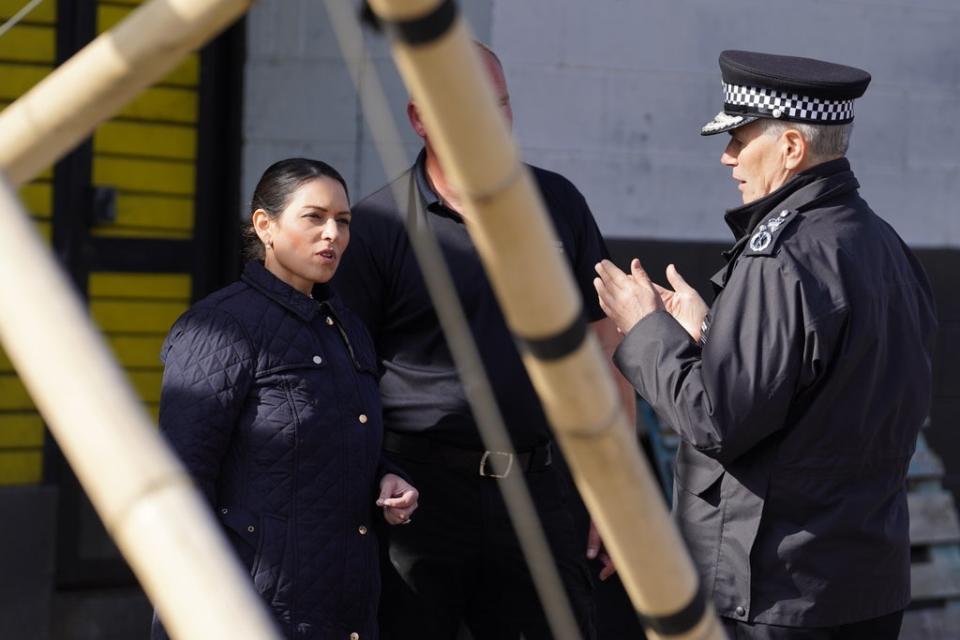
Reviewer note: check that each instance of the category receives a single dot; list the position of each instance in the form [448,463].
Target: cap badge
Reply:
[722,122]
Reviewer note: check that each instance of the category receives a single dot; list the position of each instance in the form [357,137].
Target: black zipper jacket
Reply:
[799,412]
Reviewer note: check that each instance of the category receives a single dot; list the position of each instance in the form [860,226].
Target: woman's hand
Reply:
[398,498]
[596,550]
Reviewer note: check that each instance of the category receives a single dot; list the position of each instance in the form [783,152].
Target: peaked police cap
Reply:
[763,85]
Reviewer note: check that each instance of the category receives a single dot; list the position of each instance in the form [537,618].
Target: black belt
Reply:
[490,464]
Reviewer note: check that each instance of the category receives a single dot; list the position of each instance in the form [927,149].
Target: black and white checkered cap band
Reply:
[779,104]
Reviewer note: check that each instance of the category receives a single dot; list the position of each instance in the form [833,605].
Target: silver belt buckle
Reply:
[483,464]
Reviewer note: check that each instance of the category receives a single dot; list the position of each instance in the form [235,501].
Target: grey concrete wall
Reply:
[612,93]
[299,99]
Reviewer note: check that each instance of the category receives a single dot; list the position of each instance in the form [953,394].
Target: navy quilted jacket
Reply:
[271,400]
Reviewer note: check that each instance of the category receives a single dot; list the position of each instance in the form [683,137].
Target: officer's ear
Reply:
[795,150]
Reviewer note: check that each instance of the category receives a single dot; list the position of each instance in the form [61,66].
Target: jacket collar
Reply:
[802,189]
[257,276]
[427,194]
[431,200]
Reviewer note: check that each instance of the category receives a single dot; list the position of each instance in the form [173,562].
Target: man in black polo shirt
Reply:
[459,559]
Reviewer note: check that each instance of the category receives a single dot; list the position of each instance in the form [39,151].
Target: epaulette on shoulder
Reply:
[765,236]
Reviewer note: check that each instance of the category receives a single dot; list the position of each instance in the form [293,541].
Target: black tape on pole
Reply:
[558,345]
[418,30]
[680,622]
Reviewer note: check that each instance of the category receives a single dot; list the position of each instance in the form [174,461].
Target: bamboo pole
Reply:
[450,313]
[163,527]
[507,222]
[65,107]
[144,496]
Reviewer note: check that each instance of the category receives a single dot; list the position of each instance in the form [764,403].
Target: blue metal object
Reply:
[663,444]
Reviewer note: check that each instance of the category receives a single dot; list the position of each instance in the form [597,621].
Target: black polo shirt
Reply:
[380,280]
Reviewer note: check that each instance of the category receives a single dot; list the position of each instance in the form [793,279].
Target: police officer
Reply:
[799,392]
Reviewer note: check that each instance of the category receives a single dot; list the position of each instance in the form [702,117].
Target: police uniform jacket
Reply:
[799,412]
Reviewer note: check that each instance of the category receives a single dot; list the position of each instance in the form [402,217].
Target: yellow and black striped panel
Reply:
[110,12]
[27,54]
[135,311]
[43,13]
[21,430]
[147,154]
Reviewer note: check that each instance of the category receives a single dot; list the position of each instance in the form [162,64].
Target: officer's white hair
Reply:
[825,141]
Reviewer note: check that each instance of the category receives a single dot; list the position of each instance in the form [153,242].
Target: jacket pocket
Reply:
[312,361]
[269,574]
[242,531]
[696,472]
[266,536]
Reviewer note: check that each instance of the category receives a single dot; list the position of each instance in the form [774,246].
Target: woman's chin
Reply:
[324,273]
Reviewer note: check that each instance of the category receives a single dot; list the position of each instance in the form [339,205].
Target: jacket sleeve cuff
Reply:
[642,348]
[388,466]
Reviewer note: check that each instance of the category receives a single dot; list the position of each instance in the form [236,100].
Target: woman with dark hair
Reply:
[270,398]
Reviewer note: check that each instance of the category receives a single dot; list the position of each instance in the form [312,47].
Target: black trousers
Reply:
[883,628]
[458,561]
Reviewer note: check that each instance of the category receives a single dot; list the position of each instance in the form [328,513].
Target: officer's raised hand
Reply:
[626,299]
[683,303]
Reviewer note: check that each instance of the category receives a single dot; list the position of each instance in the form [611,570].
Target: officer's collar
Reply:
[825,176]
[432,201]
[257,276]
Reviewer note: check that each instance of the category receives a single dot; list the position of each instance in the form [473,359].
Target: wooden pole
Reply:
[92,86]
[506,219]
[161,524]
[165,530]
[450,313]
